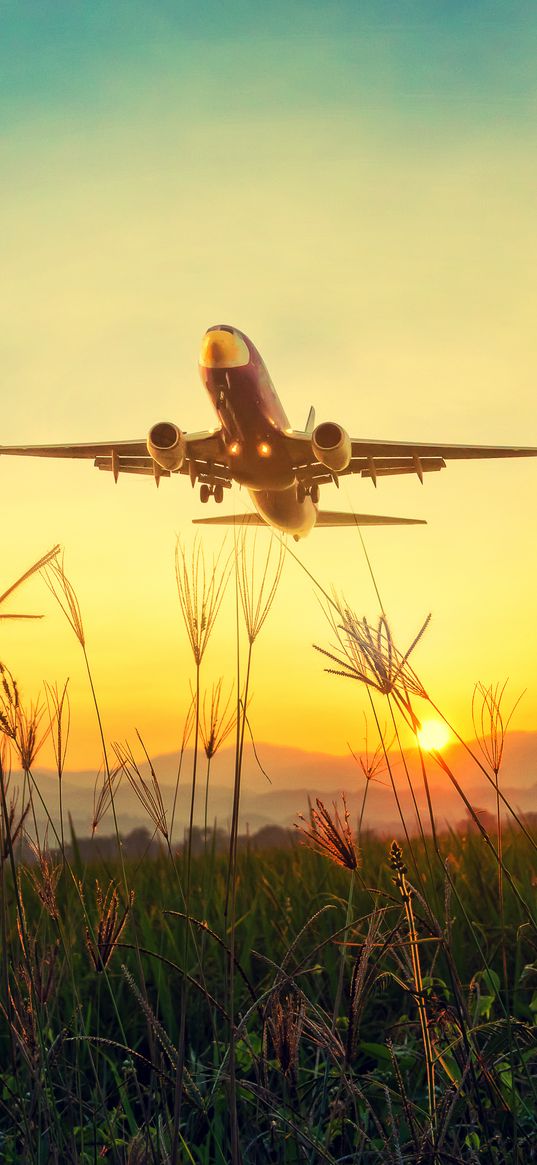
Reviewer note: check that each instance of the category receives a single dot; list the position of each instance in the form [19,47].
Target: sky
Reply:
[353,186]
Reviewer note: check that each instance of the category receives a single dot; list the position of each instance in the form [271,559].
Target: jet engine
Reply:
[166,445]
[332,446]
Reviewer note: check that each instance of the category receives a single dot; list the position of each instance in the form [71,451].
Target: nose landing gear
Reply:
[215,491]
[304,491]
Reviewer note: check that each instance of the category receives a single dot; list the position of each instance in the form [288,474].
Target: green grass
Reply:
[91,1067]
[287,1006]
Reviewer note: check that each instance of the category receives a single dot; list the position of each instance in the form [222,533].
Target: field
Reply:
[349,998]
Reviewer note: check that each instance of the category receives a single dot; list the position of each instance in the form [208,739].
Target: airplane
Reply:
[254,445]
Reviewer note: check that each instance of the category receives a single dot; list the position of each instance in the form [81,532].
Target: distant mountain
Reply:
[278,794]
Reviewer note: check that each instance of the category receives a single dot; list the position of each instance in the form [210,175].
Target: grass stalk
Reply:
[402,885]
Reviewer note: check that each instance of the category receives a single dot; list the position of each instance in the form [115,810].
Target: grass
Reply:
[348,999]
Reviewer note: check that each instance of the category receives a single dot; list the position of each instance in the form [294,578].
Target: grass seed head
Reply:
[32,986]
[65,595]
[189,722]
[285,1021]
[369,654]
[373,764]
[258,589]
[47,558]
[20,725]
[216,720]
[29,739]
[330,834]
[11,830]
[39,971]
[201,590]
[491,722]
[44,877]
[364,975]
[147,792]
[396,859]
[111,920]
[59,714]
[400,873]
[22,1019]
[104,791]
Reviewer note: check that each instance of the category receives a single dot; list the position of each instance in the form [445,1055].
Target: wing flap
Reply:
[140,468]
[210,471]
[212,474]
[390,467]
[205,446]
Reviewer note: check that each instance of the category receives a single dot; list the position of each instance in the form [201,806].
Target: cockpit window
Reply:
[223,348]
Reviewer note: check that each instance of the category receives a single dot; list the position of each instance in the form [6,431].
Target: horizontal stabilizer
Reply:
[324,518]
[231,520]
[336,518]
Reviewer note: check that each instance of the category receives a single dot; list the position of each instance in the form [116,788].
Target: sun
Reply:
[433,735]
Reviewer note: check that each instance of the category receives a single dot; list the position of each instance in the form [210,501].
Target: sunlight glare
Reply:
[433,735]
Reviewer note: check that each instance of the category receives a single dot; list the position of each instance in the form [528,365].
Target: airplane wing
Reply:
[448,452]
[375,459]
[205,459]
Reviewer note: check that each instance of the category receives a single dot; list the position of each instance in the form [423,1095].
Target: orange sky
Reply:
[376,242]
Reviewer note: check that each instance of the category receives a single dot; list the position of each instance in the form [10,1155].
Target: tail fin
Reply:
[310,423]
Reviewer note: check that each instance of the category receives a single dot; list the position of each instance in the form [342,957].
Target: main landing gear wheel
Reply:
[208,491]
[303,491]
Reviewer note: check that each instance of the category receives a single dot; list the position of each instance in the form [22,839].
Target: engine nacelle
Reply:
[166,445]
[332,446]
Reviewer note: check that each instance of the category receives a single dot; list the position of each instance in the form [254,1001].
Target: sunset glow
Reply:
[433,735]
[405,321]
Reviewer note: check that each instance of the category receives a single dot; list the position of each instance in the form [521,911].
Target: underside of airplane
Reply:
[253,444]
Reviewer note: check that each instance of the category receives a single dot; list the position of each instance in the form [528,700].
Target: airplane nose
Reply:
[222,348]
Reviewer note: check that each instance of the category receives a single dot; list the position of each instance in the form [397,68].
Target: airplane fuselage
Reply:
[253,424]
[283,469]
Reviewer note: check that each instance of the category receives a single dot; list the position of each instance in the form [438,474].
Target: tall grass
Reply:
[340,999]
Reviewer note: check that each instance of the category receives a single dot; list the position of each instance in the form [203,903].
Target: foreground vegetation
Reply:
[329,1053]
[347,999]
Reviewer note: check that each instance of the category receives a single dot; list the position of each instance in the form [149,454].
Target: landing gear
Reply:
[304,491]
[215,491]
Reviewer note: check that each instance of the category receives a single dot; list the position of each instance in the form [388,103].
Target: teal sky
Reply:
[354,186]
[468,64]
